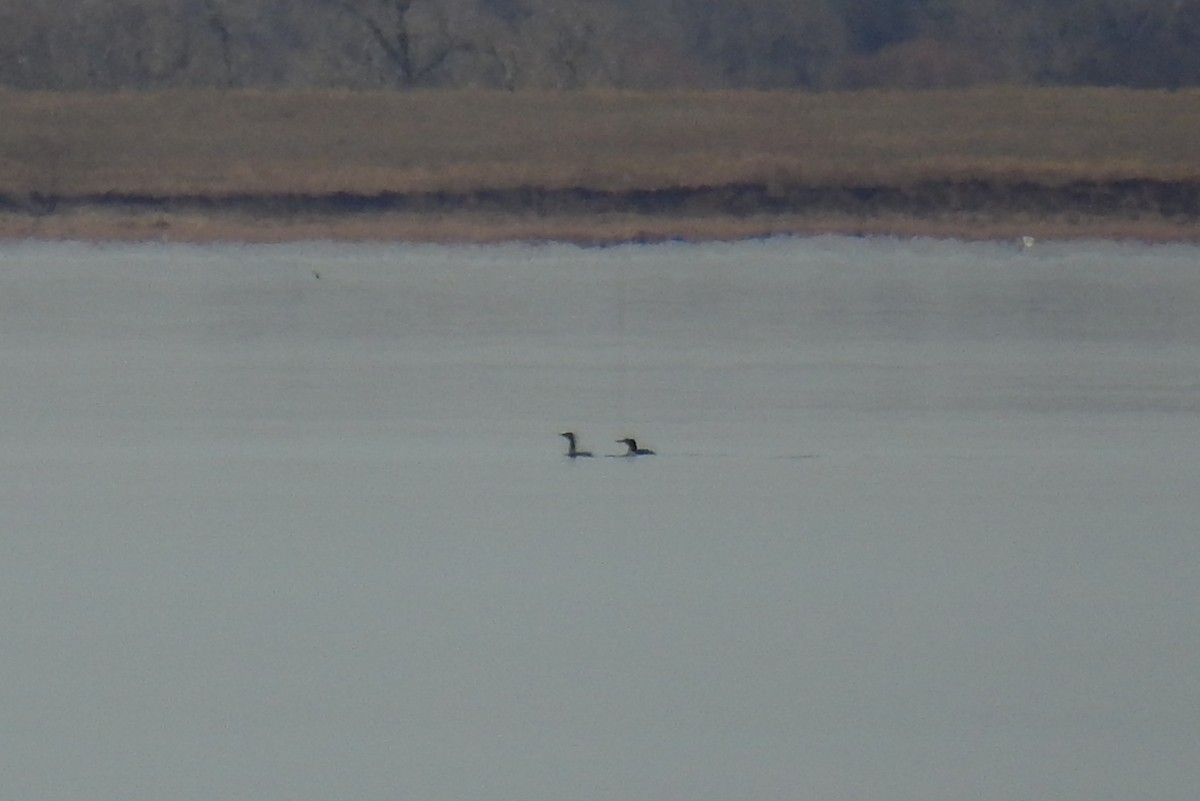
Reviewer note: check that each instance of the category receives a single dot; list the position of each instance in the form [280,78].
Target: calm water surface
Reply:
[922,522]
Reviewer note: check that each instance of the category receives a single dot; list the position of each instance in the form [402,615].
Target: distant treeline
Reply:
[637,44]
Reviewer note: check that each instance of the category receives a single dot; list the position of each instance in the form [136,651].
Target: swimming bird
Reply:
[571,452]
[634,450]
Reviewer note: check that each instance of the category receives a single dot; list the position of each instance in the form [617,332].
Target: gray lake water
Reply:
[922,524]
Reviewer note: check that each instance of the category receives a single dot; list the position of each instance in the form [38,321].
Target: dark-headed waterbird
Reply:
[634,450]
[571,451]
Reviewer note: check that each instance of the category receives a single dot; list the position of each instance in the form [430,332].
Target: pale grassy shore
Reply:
[103,226]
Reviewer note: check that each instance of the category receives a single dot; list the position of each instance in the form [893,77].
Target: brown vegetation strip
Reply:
[556,161]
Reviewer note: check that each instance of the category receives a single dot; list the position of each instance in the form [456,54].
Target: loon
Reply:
[571,452]
[634,450]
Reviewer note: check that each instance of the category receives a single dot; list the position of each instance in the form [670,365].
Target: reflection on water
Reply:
[920,523]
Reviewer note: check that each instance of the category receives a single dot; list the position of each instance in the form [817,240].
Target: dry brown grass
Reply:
[312,143]
[213,146]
